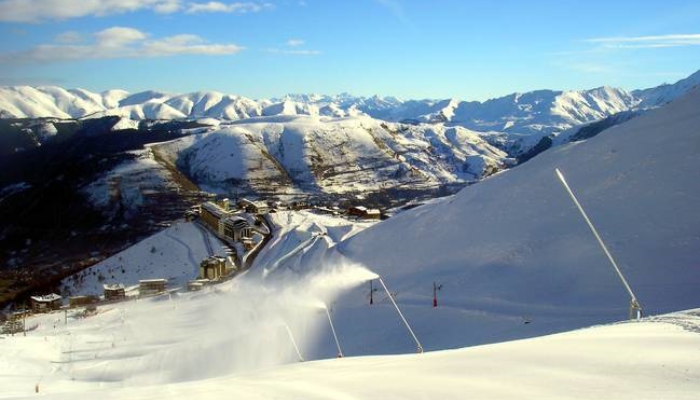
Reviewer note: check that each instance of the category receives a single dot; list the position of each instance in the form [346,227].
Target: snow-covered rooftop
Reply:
[152,280]
[215,209]
[46,298]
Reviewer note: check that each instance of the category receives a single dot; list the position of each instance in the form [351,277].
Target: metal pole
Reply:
[635,307]
[420,347]
[435,304]
[294,343]
[335,337]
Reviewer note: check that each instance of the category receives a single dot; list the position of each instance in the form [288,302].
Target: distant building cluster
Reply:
[233,224]
[214,213]
[241,224]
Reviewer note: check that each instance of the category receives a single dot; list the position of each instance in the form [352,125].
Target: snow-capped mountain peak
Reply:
[541,112]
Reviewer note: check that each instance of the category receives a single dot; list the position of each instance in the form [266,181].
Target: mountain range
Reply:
[543,111]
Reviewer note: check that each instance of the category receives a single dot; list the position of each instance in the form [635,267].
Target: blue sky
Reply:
[472,50]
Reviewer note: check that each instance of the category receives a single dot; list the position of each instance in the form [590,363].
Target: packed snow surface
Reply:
[185,353]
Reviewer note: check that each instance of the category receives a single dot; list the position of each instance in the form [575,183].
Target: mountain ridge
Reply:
[541,112]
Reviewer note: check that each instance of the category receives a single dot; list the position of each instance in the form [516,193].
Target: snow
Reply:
[123,187]
[513,259]
[125,123]
[514,245]
[47,297]
[541,112]
[174,254]
[196,350]
[302,238]
[12,189]
[333,155]
[660,95]
[46,131]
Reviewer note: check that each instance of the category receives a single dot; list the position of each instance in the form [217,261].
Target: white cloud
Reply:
[43,10]
[295,42]
[68,37]
[186,44]
[168,7]
[219,7]
[122,42]
[298,52]
[118,37]
[293,47]
[646,42]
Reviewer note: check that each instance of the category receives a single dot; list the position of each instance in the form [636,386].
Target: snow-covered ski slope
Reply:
[515,244]
[124,353]
[173,253]
[300,239]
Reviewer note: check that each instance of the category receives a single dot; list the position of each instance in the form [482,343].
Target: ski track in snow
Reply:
[187,247]
[205,237]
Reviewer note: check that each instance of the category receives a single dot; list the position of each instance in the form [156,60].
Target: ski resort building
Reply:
[227,224]
[212,268]
[253,207]
[152,286]
[275,205]
[114,291]
[80,301]
[327,211]
[236,228]
[212,214]
[298,205]
[197,285]
[364,212]
[48,302]
[225,204]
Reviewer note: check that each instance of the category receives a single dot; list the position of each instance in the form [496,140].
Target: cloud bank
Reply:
[647,42]
[119,42]
[45,10]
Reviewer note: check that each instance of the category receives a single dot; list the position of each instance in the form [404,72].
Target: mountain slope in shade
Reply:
[329,155]
[515,244]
